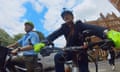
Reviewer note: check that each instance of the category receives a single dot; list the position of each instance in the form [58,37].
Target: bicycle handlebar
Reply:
[101,43]
[104,44]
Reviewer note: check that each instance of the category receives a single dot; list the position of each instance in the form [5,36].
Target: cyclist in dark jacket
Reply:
[72,32]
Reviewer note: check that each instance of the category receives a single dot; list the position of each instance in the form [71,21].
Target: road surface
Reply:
[103,66]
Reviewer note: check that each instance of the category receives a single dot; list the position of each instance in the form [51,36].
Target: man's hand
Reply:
[15,51]
[38,47]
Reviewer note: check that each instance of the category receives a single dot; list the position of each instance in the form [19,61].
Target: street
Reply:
[103,66]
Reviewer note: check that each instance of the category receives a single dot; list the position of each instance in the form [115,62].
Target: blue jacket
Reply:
[24,41]
[77,38]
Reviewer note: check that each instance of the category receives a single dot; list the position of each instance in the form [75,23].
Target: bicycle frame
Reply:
[6,58]
[70,65]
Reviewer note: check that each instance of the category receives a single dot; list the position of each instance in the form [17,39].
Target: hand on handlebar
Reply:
[85,46]
[14,51]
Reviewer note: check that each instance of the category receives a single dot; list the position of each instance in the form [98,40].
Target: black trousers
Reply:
[82,61]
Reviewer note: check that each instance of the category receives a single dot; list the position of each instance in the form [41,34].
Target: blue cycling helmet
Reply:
[66,12]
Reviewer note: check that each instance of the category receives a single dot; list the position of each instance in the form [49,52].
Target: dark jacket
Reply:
[77,38]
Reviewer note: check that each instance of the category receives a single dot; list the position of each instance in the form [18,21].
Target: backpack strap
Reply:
[30,43]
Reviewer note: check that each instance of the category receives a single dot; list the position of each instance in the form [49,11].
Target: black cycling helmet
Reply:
[66,12]
[29,23]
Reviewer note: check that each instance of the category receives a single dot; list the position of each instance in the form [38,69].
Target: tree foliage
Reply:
[18,36]
[5,38]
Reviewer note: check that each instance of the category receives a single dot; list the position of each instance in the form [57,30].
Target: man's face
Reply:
[27,28]
[68,18]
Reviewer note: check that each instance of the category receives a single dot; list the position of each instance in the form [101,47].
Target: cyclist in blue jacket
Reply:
[29,57]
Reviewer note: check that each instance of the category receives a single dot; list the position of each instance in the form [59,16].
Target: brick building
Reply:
[110,21]
[116,4]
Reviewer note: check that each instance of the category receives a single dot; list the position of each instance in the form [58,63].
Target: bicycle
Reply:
[72,66]
[6,56]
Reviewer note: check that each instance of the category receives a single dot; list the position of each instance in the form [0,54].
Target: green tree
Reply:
[18,36]
[5,38]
